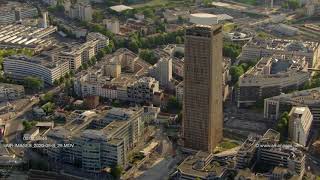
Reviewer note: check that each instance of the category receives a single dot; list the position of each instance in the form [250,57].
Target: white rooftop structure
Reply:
[300,110]
[120,8]
[203,19]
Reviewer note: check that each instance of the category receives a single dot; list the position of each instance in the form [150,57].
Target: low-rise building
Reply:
[272,76]
[18,36]
[300,120]
[286,30]
[31,134]
[11,91]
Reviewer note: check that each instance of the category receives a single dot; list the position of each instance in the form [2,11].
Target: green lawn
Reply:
[226,144]
[163,3]
[228,27]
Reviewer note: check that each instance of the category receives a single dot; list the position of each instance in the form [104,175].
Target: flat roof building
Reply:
[272,76]
[275,106]
[258,48]
[11,91]
[300,120]
[42,66]
[202,107]
[17,36]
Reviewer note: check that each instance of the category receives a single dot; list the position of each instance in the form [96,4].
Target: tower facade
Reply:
[202,107]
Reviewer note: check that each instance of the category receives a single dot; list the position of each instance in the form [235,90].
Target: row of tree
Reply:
[236,71]
[136,41]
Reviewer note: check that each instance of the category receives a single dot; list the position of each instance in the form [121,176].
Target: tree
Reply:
[148,56]
[231,50]
[116,103]
[56,82]
[33,83]
[97,16]
[293,4]
[48,107]
[48,97]
[148,13]
[116,172]
[282,126]
[235,72]
[207,3]
[133,46]
[173,105]
[178,40]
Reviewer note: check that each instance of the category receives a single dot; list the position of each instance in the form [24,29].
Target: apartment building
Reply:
[11,91]
[275,106]
[162,71]
[143,90]
[103,41]
[300,124]
[18,67]
[258,48]
[12,11]
[81,11]
[270,77]
[106,79]
[179,92]
[76,54]
[112,24]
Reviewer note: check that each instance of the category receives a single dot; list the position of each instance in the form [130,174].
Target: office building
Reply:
[162,71]
[300,124]
[275,106]
[270,77]
[202,108]
[258,48]
[42,66]
[11,92]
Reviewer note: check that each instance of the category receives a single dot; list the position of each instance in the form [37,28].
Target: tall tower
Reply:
[202,108]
